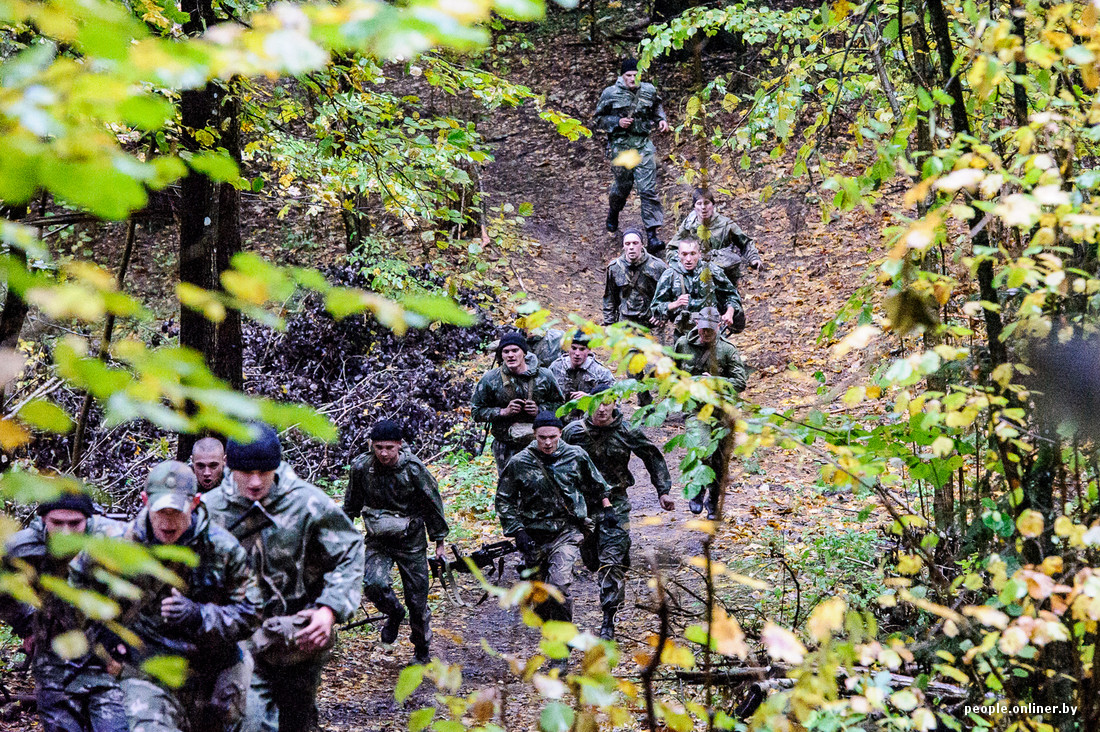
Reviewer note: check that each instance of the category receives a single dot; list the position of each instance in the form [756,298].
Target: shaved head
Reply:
[208,446]
[208,462]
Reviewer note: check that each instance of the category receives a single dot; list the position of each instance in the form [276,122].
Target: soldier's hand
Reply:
[662,126]
[531,407]
[514,407]
[666,502]
[577,395]
[524,542]
[679,302]
[316,635]
[181,611]
[759,265]
[727,317]
[654,321]
[440,550]
[625,122]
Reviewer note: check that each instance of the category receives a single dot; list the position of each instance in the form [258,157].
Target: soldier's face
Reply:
[65,521]
[168,524]
[707,336]
[578,354]
[630,78]
[689,256]
[254,484]
[386,451]
[512,357]
[632,247]
[705,208]
[603,415]
[208,468]
[546,439]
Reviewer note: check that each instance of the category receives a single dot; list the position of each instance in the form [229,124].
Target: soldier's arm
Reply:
[734,371]
[599,487]
[610,299]
[653,459]
[432,508]
[552,395]
[725,292]
[506,501]
[355,495]
[482,403]
[240,615]
[746,244]
[604,379]
[340,549]
[662,296]
[607,118]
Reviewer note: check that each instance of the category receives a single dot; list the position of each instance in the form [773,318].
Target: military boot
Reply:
[655,246]
[712,506]
[422,655]
[607,630]
[393,624]
[696,504]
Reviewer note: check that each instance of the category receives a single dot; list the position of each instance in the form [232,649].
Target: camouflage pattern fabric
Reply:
[590,377]
[629,288]
[209,702]
[283,698]
[546,346]
[644,105]
[526,499]
[643,179]
[75,695]
[704,285]
[555,557]
[500,386]
[721,234]
[407,489]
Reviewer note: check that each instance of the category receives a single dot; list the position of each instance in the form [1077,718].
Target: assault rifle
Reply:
[489,557]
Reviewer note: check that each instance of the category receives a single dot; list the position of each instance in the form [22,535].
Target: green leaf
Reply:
[556,717]
[408,682]
[169,670]
[421,718]
[45,415]
[147,112]
[70,645]
[217,166]
[439,308]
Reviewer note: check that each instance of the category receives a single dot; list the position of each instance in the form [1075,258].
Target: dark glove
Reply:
[608,518]
[525,543]
[181,612]
[738,321]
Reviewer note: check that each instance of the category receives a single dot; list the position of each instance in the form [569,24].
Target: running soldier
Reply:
[217,607]
[511,395]
[628,111]
[578,373]
[688,286]
[398,499]
[723,241]
[716,357]
[208,462]
[610,442]
[308,559]
[72,695]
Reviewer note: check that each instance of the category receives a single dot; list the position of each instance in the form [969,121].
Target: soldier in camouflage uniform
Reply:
[398,499]
[511,395]
[610,442]
[628,111]
[77,695]
[723,241]
[202,622]
[545,343]
[688,286]
[578,373]
[308,558]
[716,357]
[547,498]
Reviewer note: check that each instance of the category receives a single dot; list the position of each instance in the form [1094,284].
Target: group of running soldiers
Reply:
[279,564]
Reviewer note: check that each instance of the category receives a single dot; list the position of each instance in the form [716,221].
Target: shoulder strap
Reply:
[558,492]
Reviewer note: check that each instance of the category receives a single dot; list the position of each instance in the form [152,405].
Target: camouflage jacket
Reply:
[721,360]
[642,103]
[546,346]
[629,288]
[527,499]
[704,285]
[55,616]
[610,448]
[500,386]
[311,555]
[222,583]
[590,377]
[721,234]
[406,488]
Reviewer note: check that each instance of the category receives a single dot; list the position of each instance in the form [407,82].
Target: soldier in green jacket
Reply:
[630,283]
[610,442]
[308,559]
[690,285]
[578,373]
[72,695]
[203,621]
[723,241]
[398,499]
[628,111]
[709,355]
[547,499]
[511,395]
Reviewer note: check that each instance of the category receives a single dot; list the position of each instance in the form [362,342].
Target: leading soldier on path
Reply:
[72,695]
[218,606]
[511,395]
[578,373]
[628,111]
[308,559]
[398,499]
[688,286]
[716,357]
[610,442]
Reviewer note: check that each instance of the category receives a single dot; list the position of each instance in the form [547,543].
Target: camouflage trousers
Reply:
[208,702]
[555,558]
[504,451]
[643,179]
[718,461]
[283,698]
[412,565]
[91,701]
[614,555]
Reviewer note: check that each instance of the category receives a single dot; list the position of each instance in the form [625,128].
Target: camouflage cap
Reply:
[708,317]
[171,485]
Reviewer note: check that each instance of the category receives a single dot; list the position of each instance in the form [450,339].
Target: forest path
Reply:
[808,278]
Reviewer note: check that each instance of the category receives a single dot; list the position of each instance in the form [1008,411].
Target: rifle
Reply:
[489,556]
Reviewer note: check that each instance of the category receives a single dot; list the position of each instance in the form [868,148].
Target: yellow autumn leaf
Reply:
[1030,523]
[826,619]
[909,564]
[942,446]
[782,644]
[628,159]
[12,435]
